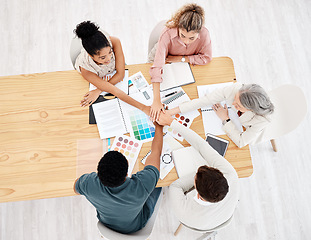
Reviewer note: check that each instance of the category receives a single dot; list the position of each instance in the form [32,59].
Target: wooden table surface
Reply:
[42,125]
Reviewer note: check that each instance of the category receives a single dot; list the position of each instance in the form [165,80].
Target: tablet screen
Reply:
[219,144]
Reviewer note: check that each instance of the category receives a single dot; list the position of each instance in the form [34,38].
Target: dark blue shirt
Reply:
[121,208]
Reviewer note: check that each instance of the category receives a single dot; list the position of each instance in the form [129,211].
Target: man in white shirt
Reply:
[216,190]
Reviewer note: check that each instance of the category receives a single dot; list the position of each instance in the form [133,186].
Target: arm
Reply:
[120,62]
[157,105]
[156,74]
[246,137]
[74,186]
[156,148]
[216,96]
[108,87]
[204,56]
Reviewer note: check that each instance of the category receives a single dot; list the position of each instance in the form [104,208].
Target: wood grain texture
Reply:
[43,124]
[269,42]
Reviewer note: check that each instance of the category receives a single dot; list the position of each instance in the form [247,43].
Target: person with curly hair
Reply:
[184,39]
[101,56]
[124,204]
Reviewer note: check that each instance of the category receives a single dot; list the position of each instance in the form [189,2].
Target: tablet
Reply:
[219,144]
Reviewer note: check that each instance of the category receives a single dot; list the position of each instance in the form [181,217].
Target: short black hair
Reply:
[93,40]
[211,184]
[112,169]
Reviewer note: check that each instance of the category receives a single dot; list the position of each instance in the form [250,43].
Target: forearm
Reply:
[156,148]
[118,77]
[156,92]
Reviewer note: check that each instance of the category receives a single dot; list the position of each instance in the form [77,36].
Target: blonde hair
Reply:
[189,17]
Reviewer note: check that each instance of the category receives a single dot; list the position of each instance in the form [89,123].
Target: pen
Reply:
[167,95]
[109,97]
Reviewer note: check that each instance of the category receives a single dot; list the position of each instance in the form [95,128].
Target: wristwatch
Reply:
[225,121]
[183,59]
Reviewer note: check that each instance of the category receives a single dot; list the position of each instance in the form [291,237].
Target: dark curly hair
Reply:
[112,169]
[211,184]
[93,40]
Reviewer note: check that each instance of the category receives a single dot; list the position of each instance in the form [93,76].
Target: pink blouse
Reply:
[199,52]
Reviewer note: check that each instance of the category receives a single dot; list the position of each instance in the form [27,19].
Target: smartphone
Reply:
[219,144]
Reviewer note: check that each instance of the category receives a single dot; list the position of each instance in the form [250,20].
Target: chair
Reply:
[75,49]
[142,234]
[290,109]
[155,34]
[208,234]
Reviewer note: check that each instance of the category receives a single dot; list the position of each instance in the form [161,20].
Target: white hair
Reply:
[254,98]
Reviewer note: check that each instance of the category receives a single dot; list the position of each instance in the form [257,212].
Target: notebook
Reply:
[187,160]
[176,74]
[115,117]
[211,122]
[173,100]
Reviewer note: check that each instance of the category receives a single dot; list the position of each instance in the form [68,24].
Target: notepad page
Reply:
[109,119]
[211,122]
[176,74]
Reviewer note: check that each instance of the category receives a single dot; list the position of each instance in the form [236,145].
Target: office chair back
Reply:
[207,234]
[290,109]
[142,234]
[155,34]
[75,49]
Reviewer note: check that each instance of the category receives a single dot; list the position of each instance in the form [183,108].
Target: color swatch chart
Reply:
[129,147]
[182,119]
[142,128]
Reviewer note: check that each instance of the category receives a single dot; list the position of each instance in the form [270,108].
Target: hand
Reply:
[171,59]
[158,126]
[173,111]
[165,119]
[146,110]
[155,110]
[90,97]
[222,112]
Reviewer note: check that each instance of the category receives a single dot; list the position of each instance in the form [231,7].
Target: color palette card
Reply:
[129,147]
[184,119]
[142,128]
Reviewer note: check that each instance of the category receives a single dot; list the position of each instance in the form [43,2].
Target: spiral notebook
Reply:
[173,98]
[110,118]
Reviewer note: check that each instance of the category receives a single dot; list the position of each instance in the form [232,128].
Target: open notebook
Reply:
[176,74]
[211,122]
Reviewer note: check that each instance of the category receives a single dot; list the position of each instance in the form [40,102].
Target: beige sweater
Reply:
[254,124]
[186,208]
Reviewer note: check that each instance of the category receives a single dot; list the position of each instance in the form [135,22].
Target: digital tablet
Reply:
[219,144]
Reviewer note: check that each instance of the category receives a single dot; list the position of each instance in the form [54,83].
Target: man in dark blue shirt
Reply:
[123,204]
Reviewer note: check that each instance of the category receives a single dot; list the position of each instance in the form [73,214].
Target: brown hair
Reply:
[189,17]
[211,184]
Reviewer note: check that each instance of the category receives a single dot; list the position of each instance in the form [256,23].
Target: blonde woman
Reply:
[184,39]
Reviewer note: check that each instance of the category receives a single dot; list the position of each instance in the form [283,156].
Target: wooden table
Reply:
[42,123]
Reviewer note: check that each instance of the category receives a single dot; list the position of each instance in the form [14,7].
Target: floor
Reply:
[269,42]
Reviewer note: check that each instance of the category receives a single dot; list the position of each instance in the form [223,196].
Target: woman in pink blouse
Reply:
[184,39]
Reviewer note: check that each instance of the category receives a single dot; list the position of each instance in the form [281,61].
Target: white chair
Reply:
[142,234]
[207,234]
[290,109]
[155,34]
[75,49]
